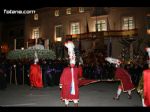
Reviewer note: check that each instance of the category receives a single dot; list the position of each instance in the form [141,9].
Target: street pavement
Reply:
[98,94]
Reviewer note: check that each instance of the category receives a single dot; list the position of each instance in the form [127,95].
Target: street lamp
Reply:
[148,31]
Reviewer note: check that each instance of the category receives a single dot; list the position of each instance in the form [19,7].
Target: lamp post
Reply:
[14,44]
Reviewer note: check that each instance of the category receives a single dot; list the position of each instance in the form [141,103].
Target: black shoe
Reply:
[129,96]
[66,105]
[76,105]
[116,98]
[31,88]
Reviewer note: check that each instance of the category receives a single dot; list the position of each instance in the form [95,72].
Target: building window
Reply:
[81,9]
[128,23]
[148,24]
[58,32]
[35,33]
[36,16]
[75,29]
[68,11]
[101,25]
[56,12]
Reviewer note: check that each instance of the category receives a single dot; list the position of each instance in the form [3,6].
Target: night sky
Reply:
[11,17]
[18,5]
[36,4]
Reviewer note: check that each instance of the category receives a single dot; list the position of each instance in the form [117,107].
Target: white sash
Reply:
[72,82]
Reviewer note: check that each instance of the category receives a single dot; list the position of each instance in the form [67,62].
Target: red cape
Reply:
[125,78]
[80,71]
[83,81]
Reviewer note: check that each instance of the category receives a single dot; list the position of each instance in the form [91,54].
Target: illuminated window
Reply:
[101,25]
[128,23]
[35,33]
[56,12]
[36,16]
[58,32]
[68,11]
[81,9]
[75,29]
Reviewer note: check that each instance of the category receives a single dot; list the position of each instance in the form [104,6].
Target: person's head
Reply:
[72,58]
[117,65]
[117,62]
[69,45]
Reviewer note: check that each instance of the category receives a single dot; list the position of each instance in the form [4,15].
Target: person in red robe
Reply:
[36,75]
[69,83]
[146,81]
[124,77]
[126,84]
[66,85]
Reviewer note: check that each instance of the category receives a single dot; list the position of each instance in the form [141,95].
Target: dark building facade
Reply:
[12,28]
[95,26]
[103,28]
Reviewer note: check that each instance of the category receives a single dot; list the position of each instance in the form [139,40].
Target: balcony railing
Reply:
[121,33]
[105,34]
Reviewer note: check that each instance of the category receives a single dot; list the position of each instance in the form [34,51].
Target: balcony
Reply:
[105,34]
[121,33]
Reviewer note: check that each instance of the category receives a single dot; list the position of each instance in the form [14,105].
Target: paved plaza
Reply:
[98,94]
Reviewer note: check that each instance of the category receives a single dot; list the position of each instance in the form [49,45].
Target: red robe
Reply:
[36,76]
[126,82]
[80,71]
[65,81]
[146,80]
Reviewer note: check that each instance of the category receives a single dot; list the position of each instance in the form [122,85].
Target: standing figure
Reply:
[123,76]
[3,82]
[69,88]
[36,74]
[146,83]
[69,79]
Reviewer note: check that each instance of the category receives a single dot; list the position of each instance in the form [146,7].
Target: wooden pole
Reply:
[10,75]
[27,44]
[23,74]
[46,44]
[36,41]
[14,44]
[15,76]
